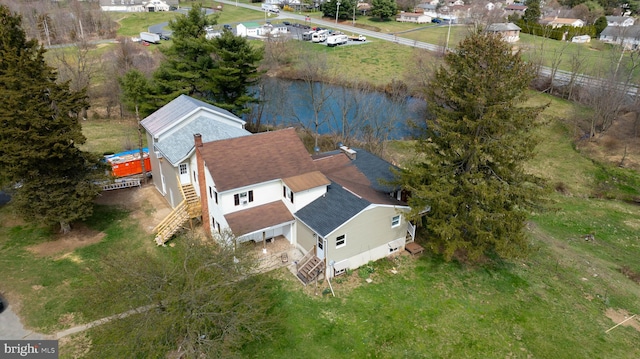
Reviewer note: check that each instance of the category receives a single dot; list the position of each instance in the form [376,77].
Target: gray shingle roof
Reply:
[375,169]
[502,26]
[629,32]
[176,147]
[330,211]
[167,116]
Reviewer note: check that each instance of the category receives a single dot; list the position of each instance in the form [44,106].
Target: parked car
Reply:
[436,20]
[286,23]
[163,36]
[227,27]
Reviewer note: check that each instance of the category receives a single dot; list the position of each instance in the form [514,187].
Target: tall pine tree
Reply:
[53,180]
[219,71]
[235,71]
[469,170]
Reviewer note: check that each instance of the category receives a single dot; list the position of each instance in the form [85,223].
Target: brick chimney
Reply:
[204,200]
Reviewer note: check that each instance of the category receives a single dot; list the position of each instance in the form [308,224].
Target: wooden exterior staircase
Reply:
[309,267]
[194,206]
[189,208]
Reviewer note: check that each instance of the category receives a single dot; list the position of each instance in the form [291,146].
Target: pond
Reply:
[351,112]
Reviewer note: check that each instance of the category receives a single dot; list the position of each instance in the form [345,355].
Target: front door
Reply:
[320,247]
[184,174]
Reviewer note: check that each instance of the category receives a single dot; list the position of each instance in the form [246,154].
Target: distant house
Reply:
[249,29]
[620,21]
[515,9]
[170,133]
[510,32]
[363,7]
[137,5]
[426,8]
[627,36]
[252,29]
[559,22]
[333,207]
[415,17]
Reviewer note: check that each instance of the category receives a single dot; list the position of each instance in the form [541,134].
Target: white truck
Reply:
[358,38]
[270,8]
[150,37]
[336,40]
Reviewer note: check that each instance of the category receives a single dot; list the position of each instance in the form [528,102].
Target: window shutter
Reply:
[250,196]
[236,199]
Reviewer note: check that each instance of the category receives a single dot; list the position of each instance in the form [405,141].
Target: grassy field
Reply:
[557,301]
[553,302]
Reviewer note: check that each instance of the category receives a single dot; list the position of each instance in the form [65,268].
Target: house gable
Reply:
[180,109]
[332,210]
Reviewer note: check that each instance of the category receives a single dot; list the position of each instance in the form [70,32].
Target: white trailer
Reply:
[336,40]
[319,36]
[270,8]
[150,37]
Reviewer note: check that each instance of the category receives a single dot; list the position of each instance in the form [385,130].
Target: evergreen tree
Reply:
[188,64]
[53,180]
[218,71]
[532,13]
[470,165]
[384,9]
[600,25]
[235,71]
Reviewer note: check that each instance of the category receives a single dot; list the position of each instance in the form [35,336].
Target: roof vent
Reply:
[349,152]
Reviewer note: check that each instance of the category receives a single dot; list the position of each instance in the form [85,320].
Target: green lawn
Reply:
[549,304]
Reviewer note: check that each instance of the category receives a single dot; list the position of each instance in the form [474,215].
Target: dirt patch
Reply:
[145,203]
[619,145]
[80,236]
[620,315]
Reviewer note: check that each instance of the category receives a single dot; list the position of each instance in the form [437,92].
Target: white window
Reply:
[243,198]
[183,168]
[341,241]
[395,221]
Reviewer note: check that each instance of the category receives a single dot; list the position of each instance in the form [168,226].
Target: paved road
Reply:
[560,77]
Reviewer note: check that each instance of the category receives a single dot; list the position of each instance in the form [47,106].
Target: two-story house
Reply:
[333,207]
